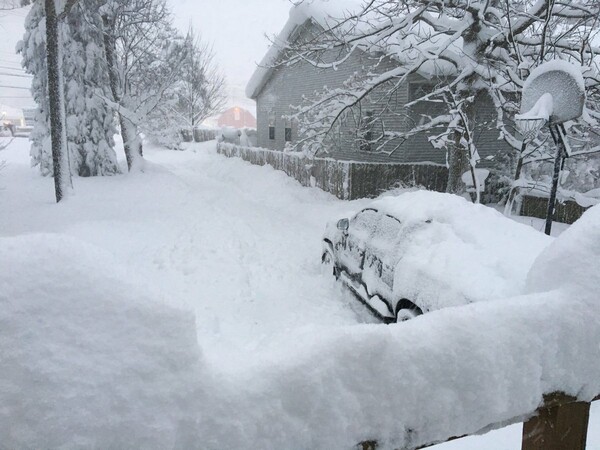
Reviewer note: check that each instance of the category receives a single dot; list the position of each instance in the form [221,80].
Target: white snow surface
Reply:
[557,65]
[571,260]
[89,358]
[542,109]
[98,351]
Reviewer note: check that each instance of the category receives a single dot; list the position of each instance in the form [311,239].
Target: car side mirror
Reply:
[343,224]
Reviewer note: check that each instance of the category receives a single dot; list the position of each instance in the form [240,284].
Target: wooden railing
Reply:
[561,423]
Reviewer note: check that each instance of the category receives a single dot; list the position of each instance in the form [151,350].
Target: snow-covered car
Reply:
[421,251]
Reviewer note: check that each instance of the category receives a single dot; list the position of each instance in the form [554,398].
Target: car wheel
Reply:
[328,264]
[406,310]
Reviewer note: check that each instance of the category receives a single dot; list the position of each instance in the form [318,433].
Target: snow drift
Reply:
[572,260]
[89,358]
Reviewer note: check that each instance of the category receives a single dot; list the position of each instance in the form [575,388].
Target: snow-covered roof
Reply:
[319,11]
[326,14]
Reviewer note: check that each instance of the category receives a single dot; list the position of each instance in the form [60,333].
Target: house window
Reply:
[288,130]
[272,125]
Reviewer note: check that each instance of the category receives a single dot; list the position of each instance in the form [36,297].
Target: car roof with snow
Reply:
[466,251]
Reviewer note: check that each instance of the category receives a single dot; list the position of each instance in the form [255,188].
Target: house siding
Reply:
[287,85]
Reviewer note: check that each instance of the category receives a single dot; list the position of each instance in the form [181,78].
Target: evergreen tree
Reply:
[33,51]
[89,121]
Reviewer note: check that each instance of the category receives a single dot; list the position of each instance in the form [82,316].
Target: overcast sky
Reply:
[237,30]
[14,83]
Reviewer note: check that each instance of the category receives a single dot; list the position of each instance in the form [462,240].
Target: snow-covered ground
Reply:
[239,245]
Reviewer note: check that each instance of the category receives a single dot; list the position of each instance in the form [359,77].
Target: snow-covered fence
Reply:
[346,180]
[328,174]
[204,134]
[198,134]
[565,212]
[561,423]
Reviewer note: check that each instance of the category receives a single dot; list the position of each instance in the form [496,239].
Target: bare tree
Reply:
[143,56]
[200,89]
[466,46]
[197,93]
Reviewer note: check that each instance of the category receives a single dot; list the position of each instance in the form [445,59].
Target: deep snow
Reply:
[239,245]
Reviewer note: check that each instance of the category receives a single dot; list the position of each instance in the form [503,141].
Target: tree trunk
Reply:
[132,144]
[60,166]
[458,163]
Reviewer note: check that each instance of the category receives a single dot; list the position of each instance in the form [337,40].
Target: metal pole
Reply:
[557,166]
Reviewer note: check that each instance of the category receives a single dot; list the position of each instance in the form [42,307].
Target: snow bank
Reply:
[447,373]
[571,260]
[89,359]
[451,372]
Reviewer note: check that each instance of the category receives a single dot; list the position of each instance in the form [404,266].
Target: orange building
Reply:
[238,118]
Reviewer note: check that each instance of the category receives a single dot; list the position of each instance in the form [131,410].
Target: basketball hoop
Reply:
[529,127]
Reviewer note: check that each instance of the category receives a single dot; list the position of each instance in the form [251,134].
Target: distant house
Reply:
[276,90]
[12,116]
[237,117]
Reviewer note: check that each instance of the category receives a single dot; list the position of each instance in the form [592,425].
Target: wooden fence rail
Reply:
[561,423]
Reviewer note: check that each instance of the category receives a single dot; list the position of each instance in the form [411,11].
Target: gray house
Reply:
[277,89]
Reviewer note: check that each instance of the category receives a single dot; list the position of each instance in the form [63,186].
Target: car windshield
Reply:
[364,225]
[388,228]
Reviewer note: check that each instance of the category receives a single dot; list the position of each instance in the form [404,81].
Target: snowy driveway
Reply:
[238,244]
[244,252]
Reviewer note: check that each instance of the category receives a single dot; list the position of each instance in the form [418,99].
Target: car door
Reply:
[384,248]
[360,232]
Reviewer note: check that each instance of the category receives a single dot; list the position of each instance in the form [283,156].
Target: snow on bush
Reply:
[89,359]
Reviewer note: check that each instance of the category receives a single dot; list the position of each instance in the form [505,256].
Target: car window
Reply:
[388,228]
[365,223]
